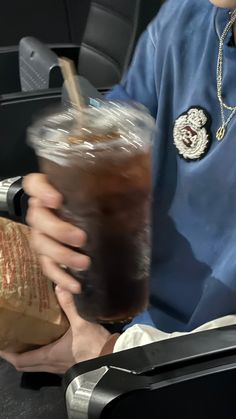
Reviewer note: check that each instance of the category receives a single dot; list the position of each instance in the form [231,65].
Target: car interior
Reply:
[107,34]
[188,377]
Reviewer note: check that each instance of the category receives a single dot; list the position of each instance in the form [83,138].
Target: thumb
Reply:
[67,303]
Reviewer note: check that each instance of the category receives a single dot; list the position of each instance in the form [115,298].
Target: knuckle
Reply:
[25,183]
[34,202]
[63,255]
[60,232]
[50,357]
[27,219]
[17,365]
[35,239]
[46,265]
[63,230]
[48,269]
[30,202]
[29,182]
[31,216]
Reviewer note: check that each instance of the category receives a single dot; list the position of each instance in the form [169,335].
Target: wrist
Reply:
[109,344]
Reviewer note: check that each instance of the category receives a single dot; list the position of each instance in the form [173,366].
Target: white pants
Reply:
[139,334]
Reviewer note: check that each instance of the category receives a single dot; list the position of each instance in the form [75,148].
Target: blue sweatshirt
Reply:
[193,274]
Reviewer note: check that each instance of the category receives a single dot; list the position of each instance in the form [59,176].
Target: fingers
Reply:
[27,359]
[59,276]
[45,192]
[58,253]
[49,233]
[44,368]
[45,221]
[66,301]
[33,361]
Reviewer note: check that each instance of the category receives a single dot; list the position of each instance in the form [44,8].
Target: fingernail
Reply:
[81,262]
[86,262]
[78,238]
[75,288]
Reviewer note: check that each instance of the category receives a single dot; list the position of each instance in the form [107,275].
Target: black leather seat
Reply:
[106,49]
[108,40]
[110,37]
[105,30]
[58,23]
[107,46]
[105,53]
[54,21]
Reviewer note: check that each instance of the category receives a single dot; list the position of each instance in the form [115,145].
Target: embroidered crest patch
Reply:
[191,133]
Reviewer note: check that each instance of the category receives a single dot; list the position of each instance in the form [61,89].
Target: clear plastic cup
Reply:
[100,162]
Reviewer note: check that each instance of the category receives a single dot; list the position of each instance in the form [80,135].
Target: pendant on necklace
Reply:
[220,133]
[192,133]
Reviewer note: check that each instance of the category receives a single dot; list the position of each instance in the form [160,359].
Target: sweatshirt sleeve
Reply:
[139,82]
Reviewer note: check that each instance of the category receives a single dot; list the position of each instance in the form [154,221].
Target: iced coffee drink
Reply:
[100,163]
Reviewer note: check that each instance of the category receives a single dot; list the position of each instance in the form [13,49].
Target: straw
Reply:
[69,73]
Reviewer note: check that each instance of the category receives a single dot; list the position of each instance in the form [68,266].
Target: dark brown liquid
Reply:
[109,198]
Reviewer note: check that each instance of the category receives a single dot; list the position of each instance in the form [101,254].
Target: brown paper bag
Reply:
[29,312]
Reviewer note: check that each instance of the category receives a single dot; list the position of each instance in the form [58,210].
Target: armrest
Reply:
[38,62]
[9,64]
[150,381]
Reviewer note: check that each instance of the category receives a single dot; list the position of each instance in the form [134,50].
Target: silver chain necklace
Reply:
[223,106]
